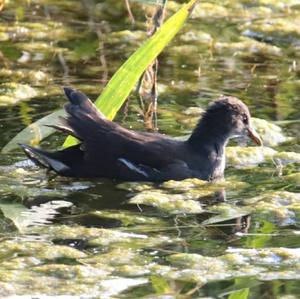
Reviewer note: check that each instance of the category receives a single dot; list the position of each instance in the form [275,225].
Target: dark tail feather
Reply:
[83,116]
[64,126]
[44,159]
[82,120]
[80,105]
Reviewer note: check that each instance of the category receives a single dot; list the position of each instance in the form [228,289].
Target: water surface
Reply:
[106,239]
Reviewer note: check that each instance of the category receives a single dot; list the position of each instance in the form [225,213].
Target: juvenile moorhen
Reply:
[109,150]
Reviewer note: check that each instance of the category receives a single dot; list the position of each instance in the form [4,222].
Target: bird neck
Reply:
[210,133]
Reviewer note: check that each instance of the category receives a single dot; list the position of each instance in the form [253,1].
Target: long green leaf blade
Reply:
[239,294]
[35,132]
[118,88]
[120,85]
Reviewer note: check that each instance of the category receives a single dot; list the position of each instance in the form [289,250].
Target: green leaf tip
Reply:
[123,81]
[120,85]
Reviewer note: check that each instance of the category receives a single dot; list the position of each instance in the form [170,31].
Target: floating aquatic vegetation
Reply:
[7,226]
[280,206]
[243,157]
[40,51]
[275,29]
[247,46]
[193,111]
[237,262]
[182,197]
[185,50]
[117,257]
[129,218]
[114,262]
[184,185]
[32,77]
[4,36]
[202,269]
[190,118]
[284,5]
[287,157]
[70,271]
[126,36]
[39,250]
[237,10]
[172,203]
[133,270]
[37,31]
[135,186]
[256,12]
[28,184]
[209,10]
[226,212]
[293,178]
[273,257]
[196,37]
[136,241]
[240,157]
[270,133]
[286,98]
[12,93]
[98,237]
[38,264]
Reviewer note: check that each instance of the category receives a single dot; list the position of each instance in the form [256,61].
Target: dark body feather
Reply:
[110,150]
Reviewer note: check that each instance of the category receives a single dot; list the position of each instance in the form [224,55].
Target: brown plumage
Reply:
[109,150]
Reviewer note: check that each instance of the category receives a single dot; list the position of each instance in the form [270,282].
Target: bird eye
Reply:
[245,119]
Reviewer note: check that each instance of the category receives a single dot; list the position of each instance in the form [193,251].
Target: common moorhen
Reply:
[109,150]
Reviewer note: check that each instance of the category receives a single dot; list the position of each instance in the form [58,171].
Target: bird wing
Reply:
[176,170]
[104,139]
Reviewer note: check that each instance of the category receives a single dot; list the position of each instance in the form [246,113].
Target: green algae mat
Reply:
[79,238]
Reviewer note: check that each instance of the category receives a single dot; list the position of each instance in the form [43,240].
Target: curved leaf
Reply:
[35,132]
[120,85]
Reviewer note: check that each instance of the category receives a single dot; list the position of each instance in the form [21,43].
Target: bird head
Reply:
[228,117]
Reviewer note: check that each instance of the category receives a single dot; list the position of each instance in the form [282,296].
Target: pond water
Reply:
[81,238]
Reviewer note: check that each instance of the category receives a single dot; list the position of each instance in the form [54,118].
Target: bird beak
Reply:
[252,134]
